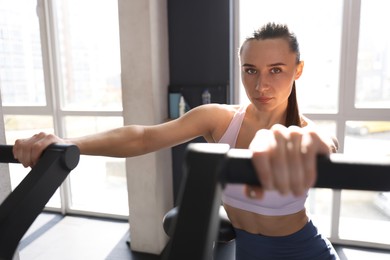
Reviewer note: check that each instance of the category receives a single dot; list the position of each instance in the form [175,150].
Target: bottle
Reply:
[206,97]
[182,106]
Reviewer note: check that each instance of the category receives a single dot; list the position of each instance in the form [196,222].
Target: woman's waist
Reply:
[266,225]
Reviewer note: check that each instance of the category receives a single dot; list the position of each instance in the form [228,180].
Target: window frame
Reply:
[51,70]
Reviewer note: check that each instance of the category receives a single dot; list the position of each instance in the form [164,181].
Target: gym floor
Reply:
[53,236]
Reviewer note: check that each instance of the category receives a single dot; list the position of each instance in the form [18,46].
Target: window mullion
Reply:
[44,27]
[349,59]
[49,37]
[335,215]
[346,100]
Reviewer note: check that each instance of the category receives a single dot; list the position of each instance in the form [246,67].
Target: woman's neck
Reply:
[266,119]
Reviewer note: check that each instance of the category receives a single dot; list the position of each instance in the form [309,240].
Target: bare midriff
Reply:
[266,225]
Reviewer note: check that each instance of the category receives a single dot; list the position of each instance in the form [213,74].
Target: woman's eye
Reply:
[251,71]
[276,70]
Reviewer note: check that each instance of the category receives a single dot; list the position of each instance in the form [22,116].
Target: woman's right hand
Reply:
[285,159]
[28,151]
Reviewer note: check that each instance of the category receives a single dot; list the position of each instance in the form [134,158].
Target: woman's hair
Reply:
[274,31]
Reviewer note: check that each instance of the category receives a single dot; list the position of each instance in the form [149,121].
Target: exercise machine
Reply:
[208,167]
[23,205]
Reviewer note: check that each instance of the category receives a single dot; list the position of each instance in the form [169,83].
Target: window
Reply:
[345,88]
[21,68]
[373,70]
[89,65]
[368,210]
[60,73]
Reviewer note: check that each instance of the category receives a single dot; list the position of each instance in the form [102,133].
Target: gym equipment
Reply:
[208,167]
[23,205]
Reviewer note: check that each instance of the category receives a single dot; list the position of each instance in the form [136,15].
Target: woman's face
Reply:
[268,70]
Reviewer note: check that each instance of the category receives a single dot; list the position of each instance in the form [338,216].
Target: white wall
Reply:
[145,77]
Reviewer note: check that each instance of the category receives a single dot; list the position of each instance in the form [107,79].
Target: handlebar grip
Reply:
[70,153]
[338,171]
[6,154]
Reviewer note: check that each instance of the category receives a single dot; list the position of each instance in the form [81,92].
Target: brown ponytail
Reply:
[293,117]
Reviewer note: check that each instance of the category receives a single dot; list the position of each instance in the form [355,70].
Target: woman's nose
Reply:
[260,84]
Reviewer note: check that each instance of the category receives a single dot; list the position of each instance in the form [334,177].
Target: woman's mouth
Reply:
[263,99]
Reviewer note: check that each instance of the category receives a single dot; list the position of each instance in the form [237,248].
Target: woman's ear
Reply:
[299,69]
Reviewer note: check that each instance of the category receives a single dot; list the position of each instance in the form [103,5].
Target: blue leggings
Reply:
[307,243]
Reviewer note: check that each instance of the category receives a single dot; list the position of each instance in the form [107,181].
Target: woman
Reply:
[270,222]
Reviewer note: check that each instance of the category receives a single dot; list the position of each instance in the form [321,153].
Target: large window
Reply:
[60,73]
[345,88]
[21,68]
[373,70]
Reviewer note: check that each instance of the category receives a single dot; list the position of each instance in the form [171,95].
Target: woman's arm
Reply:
[129,140]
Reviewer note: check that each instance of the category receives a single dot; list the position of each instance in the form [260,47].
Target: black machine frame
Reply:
[208,167]
[23,205]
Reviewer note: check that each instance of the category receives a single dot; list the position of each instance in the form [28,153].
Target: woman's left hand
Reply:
[285,159]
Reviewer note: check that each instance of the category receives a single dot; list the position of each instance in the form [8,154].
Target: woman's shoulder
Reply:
[219,108]
[214,116]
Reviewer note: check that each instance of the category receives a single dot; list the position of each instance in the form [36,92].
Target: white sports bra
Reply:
[273,203]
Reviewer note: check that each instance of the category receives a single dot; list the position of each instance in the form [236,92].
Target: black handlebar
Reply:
[339,171]
[6,155]
[69,154]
